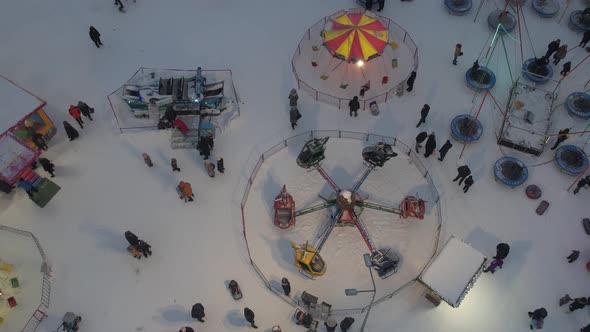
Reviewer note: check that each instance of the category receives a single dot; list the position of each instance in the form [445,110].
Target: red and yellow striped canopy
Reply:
[356,36]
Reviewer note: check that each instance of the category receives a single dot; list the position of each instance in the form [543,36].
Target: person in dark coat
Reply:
[204,148]
[174,165]
[410,81]
[220,166]
[346,323]
[186,328]
[423,114]
[578,303]
[502,250]
[209,140]
[85,110]
[294,115]
[464,171]
[430,145]
[286,286]
[567,67]
[552,47]
[563,135]
[132,239]
[145,248]
[354,106]
[47,165]
[419,139]
[5,187]
[170,114]
[198,312]
[585,39]
[121,7]
[330,325]
[95,36]
[381,5]
[368,4]
[468,183]
[457,53]
[39,141]
[444,149]
[293,97]
[573,256]
[249,315]
[583,182]
[537,317]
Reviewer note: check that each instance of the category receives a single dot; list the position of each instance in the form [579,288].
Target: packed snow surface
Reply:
[16,104]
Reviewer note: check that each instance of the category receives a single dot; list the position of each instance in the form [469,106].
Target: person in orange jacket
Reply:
[185,191]
[77,115]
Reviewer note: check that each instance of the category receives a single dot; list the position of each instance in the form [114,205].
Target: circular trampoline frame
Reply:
[476,85]
[565,167]
[493,21]
[538,7]
[504,180]
[569,104]
[575,24]
[458,10]
[456,133]
[535,77]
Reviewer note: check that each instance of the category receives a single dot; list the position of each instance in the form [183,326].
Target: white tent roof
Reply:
[450,274]
[15,104]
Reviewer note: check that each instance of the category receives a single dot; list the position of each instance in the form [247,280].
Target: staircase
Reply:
[180,141]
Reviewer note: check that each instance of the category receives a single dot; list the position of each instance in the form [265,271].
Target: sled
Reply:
[343,85]
[235,290]
[542,207]
[586,223]
[385,79]
[299,314]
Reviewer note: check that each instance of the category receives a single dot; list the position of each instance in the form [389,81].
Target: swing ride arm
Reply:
[314,208]
[327,178]
[366,173]
[379,207]
[361,227]
[325,233]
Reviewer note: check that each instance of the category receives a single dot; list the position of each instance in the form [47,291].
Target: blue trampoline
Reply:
[578,23]
[578,104]
[483,78]
[458,7]
[461,125]
[537,74]
[507,20]
[546,8]
[510,171]
[571,159]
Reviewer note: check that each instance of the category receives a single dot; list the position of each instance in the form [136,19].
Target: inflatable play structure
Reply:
[345,207]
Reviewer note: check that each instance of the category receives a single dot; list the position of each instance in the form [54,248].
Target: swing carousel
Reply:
[354,53]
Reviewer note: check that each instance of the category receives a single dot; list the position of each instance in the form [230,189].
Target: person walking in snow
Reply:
[457,53]
[573,256]
[198,312]
[430,145]
[552,48]
[185,191]
[563,135]
[39,141]
[444,149]
[174,165]
[585,39]
[560,54]
[421,137]
[293,97]
[47,165]
[286,286]
[410,81]
[567,67]
[537,318]
[423,114]
[502,250]
[70,131]
[494,265]
[346,323]
[468,183]
[144,248]
[464,172]
[330,325]
[210,167]
[220,166]
[209,140]
[85,110]
[95,36]
[121,7]
[578,303]
[583,182]
[77,115]
[147,159]
[354,106]
[204,148]
[294,115]
[249,315]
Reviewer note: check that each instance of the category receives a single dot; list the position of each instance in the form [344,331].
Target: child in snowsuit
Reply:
[410,81]
[468,183]
[502,250]
[185,191]
[294,115]
[249,315]
[174,165]
[563,135]
[70,131]
[77,115]
[346,323]
[464,171]
[286,286]
[198,312]
[430,145]
[457,53]
[419,139]
[496,264]
[210,167]
[48,166]
[444,149]
[293,97]
[147,159]
[220,166]
[423,114]
[354,106]
[39,141]
[95,36]
[537,318]
[573,256]
[331,325]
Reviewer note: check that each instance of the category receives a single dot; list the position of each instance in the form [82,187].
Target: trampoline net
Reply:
[540,70]
[582,104]
[511,170]
[481,76]
[572,158]
[464,125]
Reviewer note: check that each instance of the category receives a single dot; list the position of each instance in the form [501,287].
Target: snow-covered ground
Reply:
[198,247]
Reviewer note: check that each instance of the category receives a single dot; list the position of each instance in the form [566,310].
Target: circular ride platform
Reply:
[571,159]
[538,74]
[578,104]
[546,8]
[461,125]
[510,171]
[507,20]
[480,80]
[578,23]
[458,7]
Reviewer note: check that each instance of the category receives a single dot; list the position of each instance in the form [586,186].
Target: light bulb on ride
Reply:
[360,63]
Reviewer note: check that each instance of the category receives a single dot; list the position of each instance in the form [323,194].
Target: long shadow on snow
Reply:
[282,253]
[106,238]
[172,315]
[270,189]
[235,318]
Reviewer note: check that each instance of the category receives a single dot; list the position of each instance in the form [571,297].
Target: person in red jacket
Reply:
[77,115]
[180,125]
